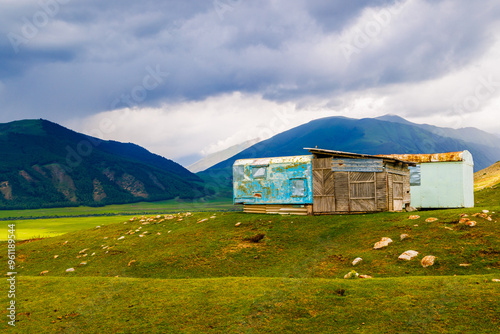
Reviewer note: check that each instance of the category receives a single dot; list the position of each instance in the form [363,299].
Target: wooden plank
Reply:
[362,190]
[317,182]
[361,177]
[324,204]
[363,205]
[390,191]
[341,185]
[328,184]
[406,190]
[382,203]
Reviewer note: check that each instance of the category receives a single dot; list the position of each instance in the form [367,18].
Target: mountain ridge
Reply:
[43,164]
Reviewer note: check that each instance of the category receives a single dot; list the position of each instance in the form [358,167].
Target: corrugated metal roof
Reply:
[340,154]
[275,160]
[435,157]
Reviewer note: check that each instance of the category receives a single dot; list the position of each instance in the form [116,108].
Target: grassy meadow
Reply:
[216,271]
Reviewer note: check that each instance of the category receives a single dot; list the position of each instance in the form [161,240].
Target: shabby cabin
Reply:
[324,182]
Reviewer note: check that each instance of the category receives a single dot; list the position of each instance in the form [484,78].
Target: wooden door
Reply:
[323,186]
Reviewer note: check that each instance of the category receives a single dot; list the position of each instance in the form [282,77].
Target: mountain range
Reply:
[386,135]
[43,164]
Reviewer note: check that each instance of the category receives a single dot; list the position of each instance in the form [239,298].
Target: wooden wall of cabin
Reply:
[359,191]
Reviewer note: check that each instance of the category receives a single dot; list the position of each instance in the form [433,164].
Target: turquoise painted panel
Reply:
[444,185]
[286,180]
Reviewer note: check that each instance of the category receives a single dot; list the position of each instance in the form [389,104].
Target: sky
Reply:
[188,78]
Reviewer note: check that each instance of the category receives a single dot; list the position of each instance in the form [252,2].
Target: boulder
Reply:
[428,261]
[408,255]
[384,242]
[356,261]
[430,220]
[351,274]
[470,223]
[414,217]
[70,270]
[237,224]
[403,236]
[463,220]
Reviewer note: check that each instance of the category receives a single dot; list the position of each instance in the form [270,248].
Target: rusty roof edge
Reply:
[357,155]
[432,157]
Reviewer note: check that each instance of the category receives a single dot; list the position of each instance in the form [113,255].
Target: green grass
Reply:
[257,305]
[45,228]
[222,204]
[293,247]
[191,275]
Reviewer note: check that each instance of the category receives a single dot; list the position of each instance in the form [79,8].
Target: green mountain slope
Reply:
[43,164]
[370,136]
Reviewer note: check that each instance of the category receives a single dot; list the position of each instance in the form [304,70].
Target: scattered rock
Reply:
[120,238]
[428,261]
[105,238]
[464,215]
[408,255]
[430,220]
[351,274]
[365,276]
[486,211]
[141,235]
[495,280]
[463,220]
[70,270]
[158,217]
[83,263]
[415,225]
[44,272]
[130,263]
[92,254]
[489,218]
[410,209]
[470,223]
[404,236]
[212,217]
[65,242]
[465,264]
[203,220]
[97,227]
[413,217]
[158,233]
[83,250]
[449,228]
[384,242]
[56,256]
[237,224]
[356,261]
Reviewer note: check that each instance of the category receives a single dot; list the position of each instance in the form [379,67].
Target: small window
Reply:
[415,178]
[238,173]
[259,171]
[298,188]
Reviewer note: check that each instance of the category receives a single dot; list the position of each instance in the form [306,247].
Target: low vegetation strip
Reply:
[258,305]
[205,245]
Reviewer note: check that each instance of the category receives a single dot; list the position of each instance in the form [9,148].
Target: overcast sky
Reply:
[188,78]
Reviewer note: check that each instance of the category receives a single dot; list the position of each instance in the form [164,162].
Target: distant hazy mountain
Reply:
[389,134]
[468,134]
[43,164]
[215,158]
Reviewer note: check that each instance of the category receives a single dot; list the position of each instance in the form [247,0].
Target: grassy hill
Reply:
[202,273]
[488,177]
[43,164]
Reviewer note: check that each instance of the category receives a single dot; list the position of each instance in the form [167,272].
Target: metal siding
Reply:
[357,165]
[444,185]
[276,187]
